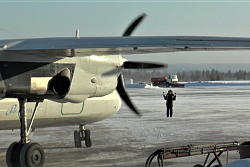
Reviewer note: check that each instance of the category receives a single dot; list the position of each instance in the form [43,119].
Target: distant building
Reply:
[128,81]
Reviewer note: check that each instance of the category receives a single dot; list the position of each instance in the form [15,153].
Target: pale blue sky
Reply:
[38,18]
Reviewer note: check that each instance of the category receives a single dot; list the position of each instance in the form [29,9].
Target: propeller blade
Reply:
[134,24]
[133,65]
[123,94]
[142,65]
[127,65]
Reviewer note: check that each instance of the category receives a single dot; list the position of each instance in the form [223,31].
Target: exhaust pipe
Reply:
[60,83]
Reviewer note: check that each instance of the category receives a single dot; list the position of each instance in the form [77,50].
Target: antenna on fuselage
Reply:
[77,33]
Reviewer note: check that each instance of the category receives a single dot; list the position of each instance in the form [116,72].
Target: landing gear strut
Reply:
[24,153]
[82,135]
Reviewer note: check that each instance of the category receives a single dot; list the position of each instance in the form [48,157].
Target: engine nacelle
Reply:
[60,83]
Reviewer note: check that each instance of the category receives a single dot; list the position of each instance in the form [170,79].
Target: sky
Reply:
[57,18]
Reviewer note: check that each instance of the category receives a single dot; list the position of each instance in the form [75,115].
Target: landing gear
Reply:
[32,155]
[198,165]
[13,154]
[24,153]
[82,135]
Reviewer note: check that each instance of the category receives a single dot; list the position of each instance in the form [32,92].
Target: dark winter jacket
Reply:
[169,99]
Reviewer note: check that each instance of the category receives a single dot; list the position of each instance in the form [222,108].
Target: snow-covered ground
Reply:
[202,115]
[195,84]
[216,83]
[240,163]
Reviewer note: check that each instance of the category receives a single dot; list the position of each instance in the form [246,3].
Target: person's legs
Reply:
[167,111]
[171,111]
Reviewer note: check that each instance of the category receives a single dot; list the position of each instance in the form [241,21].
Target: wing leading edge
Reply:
[85,46]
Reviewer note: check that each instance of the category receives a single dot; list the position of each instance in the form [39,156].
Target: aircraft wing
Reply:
[85,46]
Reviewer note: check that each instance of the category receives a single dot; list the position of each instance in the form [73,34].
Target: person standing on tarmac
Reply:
[170,97]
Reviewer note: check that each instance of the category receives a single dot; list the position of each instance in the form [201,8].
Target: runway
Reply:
[202,115]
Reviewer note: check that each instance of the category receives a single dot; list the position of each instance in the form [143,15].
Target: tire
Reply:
[198,165]
[88,142]
[13,154]
[77,139]
[32,155]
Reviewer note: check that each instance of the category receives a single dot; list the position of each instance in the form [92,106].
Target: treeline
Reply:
[196,75]
[213,75]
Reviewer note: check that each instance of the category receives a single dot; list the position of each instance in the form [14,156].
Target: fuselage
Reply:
[51,113]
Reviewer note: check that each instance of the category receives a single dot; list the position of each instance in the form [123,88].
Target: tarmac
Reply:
[202,115]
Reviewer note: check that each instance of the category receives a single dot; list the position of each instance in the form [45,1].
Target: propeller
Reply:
[141,65]
[130,65]
[134,25]
[123,94]
[133,65]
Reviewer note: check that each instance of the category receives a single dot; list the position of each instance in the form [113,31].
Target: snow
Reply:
[202,115]
[240,163]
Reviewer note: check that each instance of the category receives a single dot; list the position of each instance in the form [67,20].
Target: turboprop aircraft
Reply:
[76,81]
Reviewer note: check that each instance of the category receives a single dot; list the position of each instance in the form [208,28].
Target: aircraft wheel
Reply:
[32,155]
[77,139]
[13,154]
[198,165]
[88,142]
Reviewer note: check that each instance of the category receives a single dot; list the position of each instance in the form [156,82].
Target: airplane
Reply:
[77,81]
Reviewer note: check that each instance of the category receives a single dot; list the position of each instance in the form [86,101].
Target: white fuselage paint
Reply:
[92,97]
[51,114]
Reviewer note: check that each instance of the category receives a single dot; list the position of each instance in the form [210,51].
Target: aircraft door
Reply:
[72,108]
